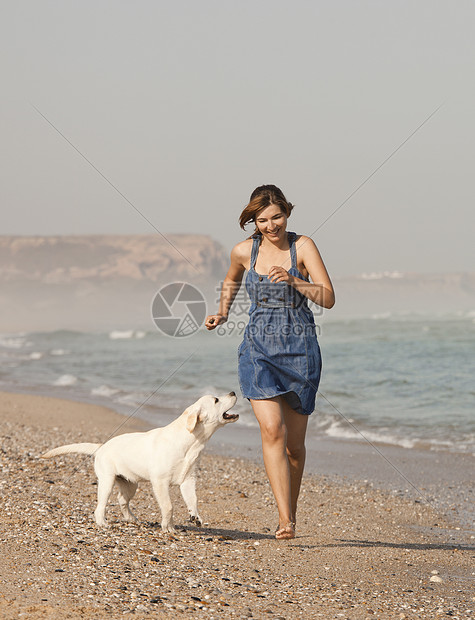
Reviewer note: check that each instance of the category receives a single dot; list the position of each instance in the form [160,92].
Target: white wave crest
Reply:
[65,380]
[337,430]
[104,390]
[36,355]
[121,335]
[12,342]
[58,352]
[131,399]
[126,334]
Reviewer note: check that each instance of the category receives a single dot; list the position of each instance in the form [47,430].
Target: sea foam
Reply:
[65,380]
[104,390]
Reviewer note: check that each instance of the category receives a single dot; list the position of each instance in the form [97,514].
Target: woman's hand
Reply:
[213,320]
[279,274]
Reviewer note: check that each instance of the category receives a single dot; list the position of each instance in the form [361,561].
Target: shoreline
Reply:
[360,551]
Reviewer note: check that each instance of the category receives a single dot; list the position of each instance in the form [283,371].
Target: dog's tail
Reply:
[73,448]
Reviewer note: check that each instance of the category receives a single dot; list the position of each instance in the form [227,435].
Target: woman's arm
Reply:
[320,290]
[231,285]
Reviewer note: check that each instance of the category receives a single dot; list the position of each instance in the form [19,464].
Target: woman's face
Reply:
[271,222]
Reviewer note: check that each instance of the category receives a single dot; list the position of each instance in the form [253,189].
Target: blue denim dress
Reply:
[279,354]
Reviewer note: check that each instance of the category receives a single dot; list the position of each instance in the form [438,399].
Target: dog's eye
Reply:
[216,400]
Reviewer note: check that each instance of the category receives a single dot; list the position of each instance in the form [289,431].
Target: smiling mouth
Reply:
[230,416]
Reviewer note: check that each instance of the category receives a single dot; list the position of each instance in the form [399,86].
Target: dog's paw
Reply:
[100,518]
[168,528]
[131,518]
[196,520]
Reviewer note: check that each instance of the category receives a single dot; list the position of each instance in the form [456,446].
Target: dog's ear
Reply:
[193,417]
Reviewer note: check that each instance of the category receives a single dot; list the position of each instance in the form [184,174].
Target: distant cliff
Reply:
[62,260]
[96,281]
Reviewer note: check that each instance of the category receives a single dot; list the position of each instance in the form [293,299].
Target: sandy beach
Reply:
[360,552]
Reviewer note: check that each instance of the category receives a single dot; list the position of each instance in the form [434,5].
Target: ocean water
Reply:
[401,380]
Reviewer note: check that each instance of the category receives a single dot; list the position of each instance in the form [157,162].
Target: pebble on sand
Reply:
[436,579]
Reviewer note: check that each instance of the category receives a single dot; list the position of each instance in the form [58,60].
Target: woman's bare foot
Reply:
[286,532]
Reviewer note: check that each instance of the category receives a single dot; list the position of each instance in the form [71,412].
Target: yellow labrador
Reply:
[164,456]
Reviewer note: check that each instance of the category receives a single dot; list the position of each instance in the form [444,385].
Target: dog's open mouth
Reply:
[230,416]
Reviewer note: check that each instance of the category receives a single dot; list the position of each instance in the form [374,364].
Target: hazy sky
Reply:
[186,106]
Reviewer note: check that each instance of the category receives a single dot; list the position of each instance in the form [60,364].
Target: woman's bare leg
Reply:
[270,415]
[296,425]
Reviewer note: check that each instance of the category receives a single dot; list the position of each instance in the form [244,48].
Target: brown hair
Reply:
[262,197]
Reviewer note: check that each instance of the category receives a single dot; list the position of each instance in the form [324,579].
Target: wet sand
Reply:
[362,551]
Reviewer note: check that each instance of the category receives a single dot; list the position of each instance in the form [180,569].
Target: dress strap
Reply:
[293,252]
[256,242]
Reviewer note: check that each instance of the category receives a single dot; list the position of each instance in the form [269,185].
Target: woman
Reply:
[279,358]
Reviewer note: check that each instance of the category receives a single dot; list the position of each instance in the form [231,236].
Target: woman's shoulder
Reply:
[242,250]
[301,240]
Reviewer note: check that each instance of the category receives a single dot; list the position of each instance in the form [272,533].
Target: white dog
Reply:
[163,455]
